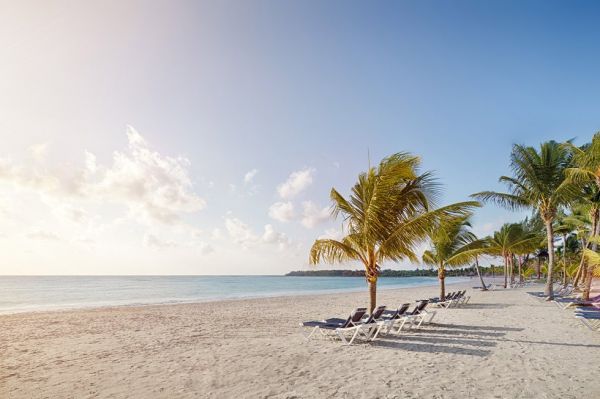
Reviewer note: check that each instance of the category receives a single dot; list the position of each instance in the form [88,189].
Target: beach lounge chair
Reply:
[369,326]
[590,318]
[566,303]
[392,318]
[463,298]
[420,314]
[337,327]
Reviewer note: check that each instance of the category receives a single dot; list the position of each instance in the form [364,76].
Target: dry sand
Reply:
[503,344]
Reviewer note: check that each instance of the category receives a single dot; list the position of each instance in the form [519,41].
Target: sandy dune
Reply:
[504,344]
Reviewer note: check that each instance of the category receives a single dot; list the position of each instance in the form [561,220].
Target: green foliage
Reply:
[388,214]
[538,180]
[453,244]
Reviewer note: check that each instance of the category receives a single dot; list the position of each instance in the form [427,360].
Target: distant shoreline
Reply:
[382,274]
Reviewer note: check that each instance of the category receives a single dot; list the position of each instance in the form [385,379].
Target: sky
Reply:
[203,137]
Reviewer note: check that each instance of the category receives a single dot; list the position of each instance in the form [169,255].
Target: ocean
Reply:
[39,293]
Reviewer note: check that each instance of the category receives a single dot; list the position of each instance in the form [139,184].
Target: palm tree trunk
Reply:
[442,277]
[505,271]
[372,295]
[580,269]
[520,270]
[550,238]
[539,268]
[512,269]
[589,276]
[483,288]
[564,254]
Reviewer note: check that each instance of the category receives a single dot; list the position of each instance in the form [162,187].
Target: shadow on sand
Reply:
[401,344]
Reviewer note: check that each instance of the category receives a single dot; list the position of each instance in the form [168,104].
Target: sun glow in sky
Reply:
[194,137]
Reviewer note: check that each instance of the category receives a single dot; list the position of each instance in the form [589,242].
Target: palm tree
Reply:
[452,245]
[389,212]
[579,222]
[593,260]
[586,171]
[538,182]
[511,239]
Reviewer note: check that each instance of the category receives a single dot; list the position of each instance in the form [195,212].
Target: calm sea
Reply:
[35,293]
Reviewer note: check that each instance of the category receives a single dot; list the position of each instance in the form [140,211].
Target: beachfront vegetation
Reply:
[511,240]
[390,211]
[429,272]
[538,183]
[560,183]
[452,245]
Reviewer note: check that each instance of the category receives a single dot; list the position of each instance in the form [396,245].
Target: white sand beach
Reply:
[503,344]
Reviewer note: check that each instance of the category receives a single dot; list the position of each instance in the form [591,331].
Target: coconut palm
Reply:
[511,239]
[452,245]
[538,182]
[593,260]
[579,222]
[586,171]
[388,214]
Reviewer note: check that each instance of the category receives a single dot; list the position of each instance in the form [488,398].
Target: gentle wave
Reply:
[39,293]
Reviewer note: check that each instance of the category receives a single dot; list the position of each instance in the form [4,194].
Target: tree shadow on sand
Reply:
[488,306]
[445,340]
[429,348]
[471,327]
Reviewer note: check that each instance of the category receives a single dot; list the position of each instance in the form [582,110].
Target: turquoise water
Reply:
[35,293]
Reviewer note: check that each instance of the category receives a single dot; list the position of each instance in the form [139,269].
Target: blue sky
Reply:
[216,90]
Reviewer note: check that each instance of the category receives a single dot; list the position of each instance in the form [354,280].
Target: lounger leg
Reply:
[377,331]
[307,336]
[342,337]
[402,322]
[432,316]
[354,336]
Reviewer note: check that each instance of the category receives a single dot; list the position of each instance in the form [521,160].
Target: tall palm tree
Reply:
[586,171]
[389,212]
[452,245]
[538,182]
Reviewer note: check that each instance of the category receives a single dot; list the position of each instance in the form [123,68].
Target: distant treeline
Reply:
[383,273]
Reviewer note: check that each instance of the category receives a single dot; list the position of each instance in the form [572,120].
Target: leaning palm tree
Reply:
[586,171]
[388,214]
[452,245]
[538,182]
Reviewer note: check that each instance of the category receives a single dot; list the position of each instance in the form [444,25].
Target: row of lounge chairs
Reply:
[359,324]
[588,312]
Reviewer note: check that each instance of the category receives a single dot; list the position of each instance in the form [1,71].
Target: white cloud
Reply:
[240,232]
[38,151]
[154,187]
[205,248]
[332,234]
[282,211]
[152,241]
[249,176]
[296,183]
[313,215]
[270,236]
[216,234]
[72,213]
[42,235]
